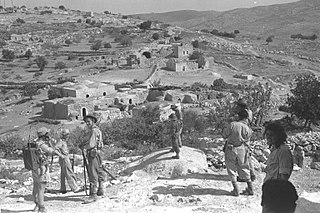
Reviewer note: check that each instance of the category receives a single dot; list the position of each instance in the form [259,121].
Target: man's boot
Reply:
[248,190]
[42,209]
[235,191]
[93,195]
[100,189]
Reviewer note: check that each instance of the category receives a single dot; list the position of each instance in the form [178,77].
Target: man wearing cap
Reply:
[41,175]
[174,134]
[66,168]
[179,116]
[94,146]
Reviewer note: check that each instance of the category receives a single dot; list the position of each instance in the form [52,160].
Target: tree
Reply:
[269,39]
[41,62]
[68,41]
[20,21]
[156,36]
[236,32]
[305,99]
[8,54]
[145,25]
[61,7]
[30,90]
[79,20]
[28,54]
[126,41]
[60,65]
[195,44]
[195,55]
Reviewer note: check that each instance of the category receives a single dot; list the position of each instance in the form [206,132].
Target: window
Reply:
[104,94]
[87,96]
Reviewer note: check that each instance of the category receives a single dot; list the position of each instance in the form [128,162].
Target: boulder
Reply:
[160,163]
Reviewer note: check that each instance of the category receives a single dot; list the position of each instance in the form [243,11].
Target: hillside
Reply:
[282,19]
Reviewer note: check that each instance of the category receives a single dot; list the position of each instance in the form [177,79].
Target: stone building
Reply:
[182,51]
[178,65]
[85,89]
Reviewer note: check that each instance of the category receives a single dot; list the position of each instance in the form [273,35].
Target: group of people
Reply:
[279,165]
[237,157]
[92,152]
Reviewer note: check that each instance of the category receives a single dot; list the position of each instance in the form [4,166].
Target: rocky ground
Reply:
[192,190]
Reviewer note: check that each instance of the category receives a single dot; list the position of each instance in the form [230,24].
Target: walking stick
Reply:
[85,167]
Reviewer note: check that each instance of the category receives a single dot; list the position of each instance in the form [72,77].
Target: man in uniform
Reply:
[236,150]
[174,135]
[177,110]
[66,168]
[93,148]
[40,175]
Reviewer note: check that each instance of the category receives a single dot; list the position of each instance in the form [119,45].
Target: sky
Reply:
[145,6]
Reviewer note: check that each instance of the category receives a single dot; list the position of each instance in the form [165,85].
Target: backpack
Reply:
[31,156]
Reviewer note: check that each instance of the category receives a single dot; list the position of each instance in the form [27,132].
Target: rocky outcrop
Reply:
[160,163]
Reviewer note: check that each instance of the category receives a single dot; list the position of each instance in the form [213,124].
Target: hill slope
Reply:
[282,19]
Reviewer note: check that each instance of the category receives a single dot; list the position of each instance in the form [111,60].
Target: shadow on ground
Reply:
[176,190]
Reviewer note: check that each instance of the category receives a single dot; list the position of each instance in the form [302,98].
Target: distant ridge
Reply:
[281,19]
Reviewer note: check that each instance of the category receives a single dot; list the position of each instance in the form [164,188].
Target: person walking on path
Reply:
[40,175]
[280,160]
[66,168]
[174,135]
[93,149]
[236,150]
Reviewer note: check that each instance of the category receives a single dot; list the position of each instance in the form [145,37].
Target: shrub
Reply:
[145,25]
[8,54]
[41,62]
[28,54]
[60,65]
[195,55]
[195,44]
[30,90]
[11,144]
[156,36]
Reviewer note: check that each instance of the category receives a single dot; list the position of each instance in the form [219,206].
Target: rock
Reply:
[160,163]
[27,183]
[3,181]
[114,182]
[22,191]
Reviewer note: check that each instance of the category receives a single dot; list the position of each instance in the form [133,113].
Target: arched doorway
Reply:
[84,112]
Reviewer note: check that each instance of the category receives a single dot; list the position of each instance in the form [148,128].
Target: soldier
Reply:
[40,175]
[93,148]
[66,168]
[236,150]
[178,112]
[174,134]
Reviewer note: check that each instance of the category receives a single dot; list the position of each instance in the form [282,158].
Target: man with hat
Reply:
[41,175]
[174,134]
[66,168]
[178,113]
[93,147]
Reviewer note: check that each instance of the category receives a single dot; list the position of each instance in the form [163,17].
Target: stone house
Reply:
[181,65]
[182,50]
[85,89]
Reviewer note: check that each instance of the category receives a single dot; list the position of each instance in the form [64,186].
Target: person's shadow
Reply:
[189,190]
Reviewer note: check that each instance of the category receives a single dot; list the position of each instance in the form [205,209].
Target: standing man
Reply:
[40,175]
[243,105]
[177,110]
[280,160]
[93,147]
[66,168]
[236,150]
[174,135]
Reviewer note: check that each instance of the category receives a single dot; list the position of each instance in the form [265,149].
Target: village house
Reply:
[85,89]
[182,50]
[180,65]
